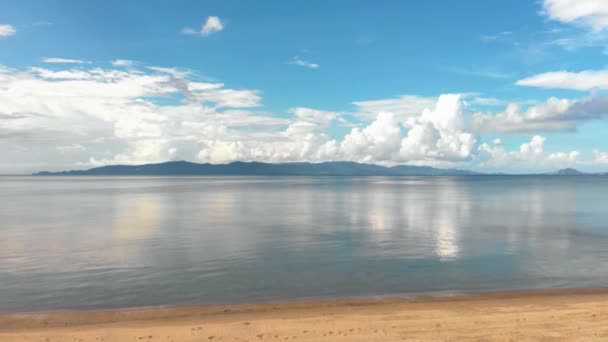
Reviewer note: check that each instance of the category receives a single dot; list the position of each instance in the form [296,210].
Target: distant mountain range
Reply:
[184,168]
[566,172]
[574,172]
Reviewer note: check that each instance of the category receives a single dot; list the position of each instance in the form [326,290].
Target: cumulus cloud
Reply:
[377,142]
[436,136]
[554,115]
[63,118]
[7,30]
[63,61]
[600,158]
[593,13]
[212,25]
[583,81]
[116,116]
[532,151]
[530,155]
[440,133]
[300,62]
[563,158]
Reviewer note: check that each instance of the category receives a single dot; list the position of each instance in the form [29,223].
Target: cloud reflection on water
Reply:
[156,240]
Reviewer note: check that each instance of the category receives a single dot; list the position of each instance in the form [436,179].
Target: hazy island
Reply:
[238,168]
[184,168]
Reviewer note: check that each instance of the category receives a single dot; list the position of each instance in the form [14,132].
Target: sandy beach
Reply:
[565,315]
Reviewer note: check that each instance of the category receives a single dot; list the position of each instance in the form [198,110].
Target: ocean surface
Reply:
[95,242]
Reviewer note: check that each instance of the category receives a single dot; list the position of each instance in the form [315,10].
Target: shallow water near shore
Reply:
[110,242]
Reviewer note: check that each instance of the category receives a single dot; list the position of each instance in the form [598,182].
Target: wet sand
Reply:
[565,315]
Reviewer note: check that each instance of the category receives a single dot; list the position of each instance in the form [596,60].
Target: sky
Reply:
[500,85]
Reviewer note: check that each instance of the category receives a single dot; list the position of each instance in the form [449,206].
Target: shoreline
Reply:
[568,314]
[419,297]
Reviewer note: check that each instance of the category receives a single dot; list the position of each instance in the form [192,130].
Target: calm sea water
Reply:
[82,243]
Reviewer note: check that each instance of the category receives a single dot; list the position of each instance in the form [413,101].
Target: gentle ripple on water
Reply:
[103,242]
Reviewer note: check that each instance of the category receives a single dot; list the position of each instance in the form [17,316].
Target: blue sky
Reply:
[312,81]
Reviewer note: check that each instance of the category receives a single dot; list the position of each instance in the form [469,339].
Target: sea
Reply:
[73,243]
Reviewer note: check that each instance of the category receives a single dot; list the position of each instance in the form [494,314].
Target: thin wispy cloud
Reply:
[306,64]
[123,63]
[486,101]
[175,72]
[64,61]
[586,80]
[212,25]
[7,30]
[403,107]
[573,40]
[481,73]
[42,23]
[495,37]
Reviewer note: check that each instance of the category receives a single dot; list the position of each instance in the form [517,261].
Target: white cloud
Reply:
[494,37]
[73,148]
[64,118]
[378,142]
[584,80]
[440,133]
[64,61]
[440,137]
[564,158]
[600,158]
[123,63]
[212,25]
[402,107]
[320,117]
[300,62]
[190,31]
[175,72]
[437,136]
[485,101]
[532,151]
[7,30]
[574,39]
[115,114]
[487,73]
[98,74]
[593,13]
[529,156]
[43,23]
[407,106]
[552,116]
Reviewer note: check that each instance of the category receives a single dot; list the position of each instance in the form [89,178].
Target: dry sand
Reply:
[571,315]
